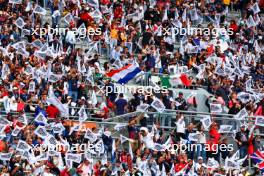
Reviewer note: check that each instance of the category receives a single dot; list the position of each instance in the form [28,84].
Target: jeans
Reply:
[201,151]
[74,95]
[243,151]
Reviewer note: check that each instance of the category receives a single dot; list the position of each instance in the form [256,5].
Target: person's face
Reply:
[86,162]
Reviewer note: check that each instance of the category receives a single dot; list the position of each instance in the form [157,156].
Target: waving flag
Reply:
[124,74]
[258,158]
[181,79]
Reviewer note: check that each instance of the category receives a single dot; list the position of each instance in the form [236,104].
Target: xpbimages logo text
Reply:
[80,32]
[214,148]
[146,90]
[214,32]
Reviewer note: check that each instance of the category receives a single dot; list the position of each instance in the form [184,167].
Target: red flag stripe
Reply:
[112,72]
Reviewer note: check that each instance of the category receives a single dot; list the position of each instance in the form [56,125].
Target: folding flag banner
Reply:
[38,9]
[124,74]
[206,121]
[15,1]
[258,158]
[181,79]
[20,23]
[93,3]
[259,121]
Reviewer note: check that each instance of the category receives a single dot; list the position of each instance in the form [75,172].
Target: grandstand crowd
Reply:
[57,89]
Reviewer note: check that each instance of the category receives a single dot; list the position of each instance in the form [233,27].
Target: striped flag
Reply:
[124,74]
[258,159]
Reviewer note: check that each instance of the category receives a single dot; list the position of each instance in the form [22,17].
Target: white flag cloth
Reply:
[216,108]
[93,3]
[250,22]
[16,131]
[56,13]
[259,121]
[23,146]
[52,99]
[131,151]
[41,132]
[39,10]
[193,14]
[15,1]
[94,98]
[158,105]
[225,128]
[104,159]
[82,114]
[119,126]
[206,121]
[90,136]
[184,16]
[41,118]
[193,136]
[212,163]
[241,115]
[165,16]
[124,139]
[143,107]
[231,164]
[58,128]
[255,8]
[97,15]
[74,157]
[5,156]
[20,23]
[68,18]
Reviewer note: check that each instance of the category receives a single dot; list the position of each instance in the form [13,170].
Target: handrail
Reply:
[190,113]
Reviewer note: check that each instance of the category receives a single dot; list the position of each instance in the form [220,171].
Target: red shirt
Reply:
[85,16]
[233,27]
[213,132]
[105,2]
[52,111]
[179,166]
[118,12]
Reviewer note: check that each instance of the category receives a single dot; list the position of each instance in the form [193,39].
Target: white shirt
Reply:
[180,125]
[201,138]
[148,141]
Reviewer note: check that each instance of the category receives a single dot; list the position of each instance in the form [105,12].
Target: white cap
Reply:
[144,129]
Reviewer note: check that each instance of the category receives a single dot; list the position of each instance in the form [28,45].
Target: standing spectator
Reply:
[121,105]
[242,140]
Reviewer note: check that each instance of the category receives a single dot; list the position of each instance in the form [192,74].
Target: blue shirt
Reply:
[120,106]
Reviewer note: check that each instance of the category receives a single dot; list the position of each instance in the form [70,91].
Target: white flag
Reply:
[225,128]
[255,8]
[5,156]
[158,105]
[41,118]
[165,16]
[39,10]
[241,115]
[23,146]
[82,114]
[142,107]
[206,121]
[193,136]
[90,136]
[259,121]
[119,126]
[20,23]
[216,108]
[74,157]
[94,98]
[41,132]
